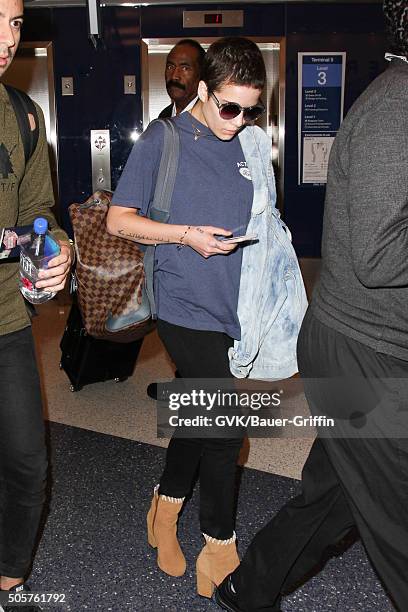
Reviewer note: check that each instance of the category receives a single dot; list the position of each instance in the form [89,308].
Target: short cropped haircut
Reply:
[233,60]
[190,42]
[396,17]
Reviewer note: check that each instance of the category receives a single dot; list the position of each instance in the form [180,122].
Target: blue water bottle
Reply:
[34,256]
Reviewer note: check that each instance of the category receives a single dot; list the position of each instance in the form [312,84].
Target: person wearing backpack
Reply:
[223,186]
[25,193]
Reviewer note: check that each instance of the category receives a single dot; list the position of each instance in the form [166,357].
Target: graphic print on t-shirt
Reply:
[7,173]
[6,167]
[244,170]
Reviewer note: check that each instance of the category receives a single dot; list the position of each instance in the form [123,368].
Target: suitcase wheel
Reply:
[74,388]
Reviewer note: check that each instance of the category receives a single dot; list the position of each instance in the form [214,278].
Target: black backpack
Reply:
[23,105]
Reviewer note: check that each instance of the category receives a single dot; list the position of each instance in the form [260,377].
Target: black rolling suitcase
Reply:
[87,360]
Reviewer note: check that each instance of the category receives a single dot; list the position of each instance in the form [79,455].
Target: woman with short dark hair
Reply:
[197,281]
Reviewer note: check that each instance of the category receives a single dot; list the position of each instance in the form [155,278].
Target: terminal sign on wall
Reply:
[321,98]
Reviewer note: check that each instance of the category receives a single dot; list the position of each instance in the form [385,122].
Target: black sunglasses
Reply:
[230,110]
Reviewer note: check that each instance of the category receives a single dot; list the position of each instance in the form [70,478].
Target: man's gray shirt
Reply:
[363,289]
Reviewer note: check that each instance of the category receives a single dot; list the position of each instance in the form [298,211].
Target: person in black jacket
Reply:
[353,358]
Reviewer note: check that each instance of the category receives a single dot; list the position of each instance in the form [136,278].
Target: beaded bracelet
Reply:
[181,243]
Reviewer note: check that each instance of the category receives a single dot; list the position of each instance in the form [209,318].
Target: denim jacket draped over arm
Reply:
[272,299]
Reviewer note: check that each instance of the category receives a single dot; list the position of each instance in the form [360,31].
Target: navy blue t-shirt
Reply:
[213,187]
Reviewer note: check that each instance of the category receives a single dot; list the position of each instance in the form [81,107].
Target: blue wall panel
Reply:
[99,101]
[303,205]
[340,17]
[358,30]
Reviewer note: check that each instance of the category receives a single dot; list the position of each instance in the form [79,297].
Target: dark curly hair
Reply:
[233,60]
[396,17]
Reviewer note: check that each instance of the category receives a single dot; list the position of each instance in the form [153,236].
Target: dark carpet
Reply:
[94,545]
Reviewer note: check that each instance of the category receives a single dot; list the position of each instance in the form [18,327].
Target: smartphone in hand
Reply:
[236,239]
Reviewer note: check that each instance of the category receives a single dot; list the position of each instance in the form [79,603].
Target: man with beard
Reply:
[182,74]
[25,193]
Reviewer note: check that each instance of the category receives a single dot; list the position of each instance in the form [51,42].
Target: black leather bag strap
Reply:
[160,207]
[23,106]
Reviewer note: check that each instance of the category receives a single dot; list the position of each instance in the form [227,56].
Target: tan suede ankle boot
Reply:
[217,559]
[162,533]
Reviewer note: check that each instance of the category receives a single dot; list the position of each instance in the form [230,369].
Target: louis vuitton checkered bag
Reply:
[114,276]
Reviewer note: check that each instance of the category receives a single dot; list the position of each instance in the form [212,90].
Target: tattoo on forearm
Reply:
[134,236]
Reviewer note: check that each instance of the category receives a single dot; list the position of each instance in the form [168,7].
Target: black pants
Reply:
[202,354]
[23,461]
[346,482]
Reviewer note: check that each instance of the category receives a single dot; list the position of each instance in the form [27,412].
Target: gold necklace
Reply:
[197,132]
[196,129]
